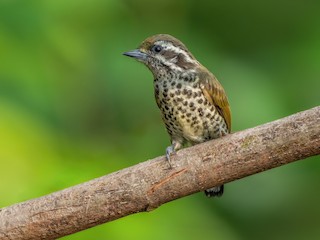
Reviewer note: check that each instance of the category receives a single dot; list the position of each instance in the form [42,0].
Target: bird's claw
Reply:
[169,151]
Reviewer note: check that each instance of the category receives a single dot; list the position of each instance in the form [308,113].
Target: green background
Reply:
[72,108]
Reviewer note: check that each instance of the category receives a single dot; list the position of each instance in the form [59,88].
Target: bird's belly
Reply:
[187,114]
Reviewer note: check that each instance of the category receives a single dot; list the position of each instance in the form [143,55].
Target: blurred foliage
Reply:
[73,108]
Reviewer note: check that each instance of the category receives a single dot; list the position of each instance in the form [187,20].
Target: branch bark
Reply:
[146,186]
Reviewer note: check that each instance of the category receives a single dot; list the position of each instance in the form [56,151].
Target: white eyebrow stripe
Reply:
[170,46]
[173,66]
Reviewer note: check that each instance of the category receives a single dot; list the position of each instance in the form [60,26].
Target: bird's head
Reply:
[163,54]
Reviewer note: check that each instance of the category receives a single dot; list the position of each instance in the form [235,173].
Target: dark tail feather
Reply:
[214,192]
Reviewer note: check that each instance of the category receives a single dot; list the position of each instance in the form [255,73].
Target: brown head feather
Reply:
[150,41]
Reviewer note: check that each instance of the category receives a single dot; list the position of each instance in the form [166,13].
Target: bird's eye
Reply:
[156,48]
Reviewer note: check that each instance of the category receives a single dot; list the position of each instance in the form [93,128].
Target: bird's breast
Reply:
[186,112]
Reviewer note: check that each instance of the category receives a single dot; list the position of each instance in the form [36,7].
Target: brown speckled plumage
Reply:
[193,103]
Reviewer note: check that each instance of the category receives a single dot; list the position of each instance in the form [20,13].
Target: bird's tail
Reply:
[214,192]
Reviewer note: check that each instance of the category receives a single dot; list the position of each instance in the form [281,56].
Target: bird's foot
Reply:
[169,151]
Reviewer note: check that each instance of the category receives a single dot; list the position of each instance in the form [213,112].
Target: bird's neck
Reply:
[176,79]
[167,75]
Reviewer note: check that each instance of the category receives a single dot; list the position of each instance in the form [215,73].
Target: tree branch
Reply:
[146,186]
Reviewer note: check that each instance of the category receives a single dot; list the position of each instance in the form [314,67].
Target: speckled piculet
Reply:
[193,103]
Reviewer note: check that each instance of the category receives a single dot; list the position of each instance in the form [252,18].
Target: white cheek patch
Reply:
[174,60]
[172,65]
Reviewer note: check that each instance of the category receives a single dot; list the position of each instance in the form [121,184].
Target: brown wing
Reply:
[215,94]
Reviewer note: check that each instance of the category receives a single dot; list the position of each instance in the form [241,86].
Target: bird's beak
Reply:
[136,54]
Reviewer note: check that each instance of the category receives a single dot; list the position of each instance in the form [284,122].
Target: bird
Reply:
[193,104]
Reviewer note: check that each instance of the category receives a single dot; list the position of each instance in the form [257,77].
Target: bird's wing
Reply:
[215,94]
